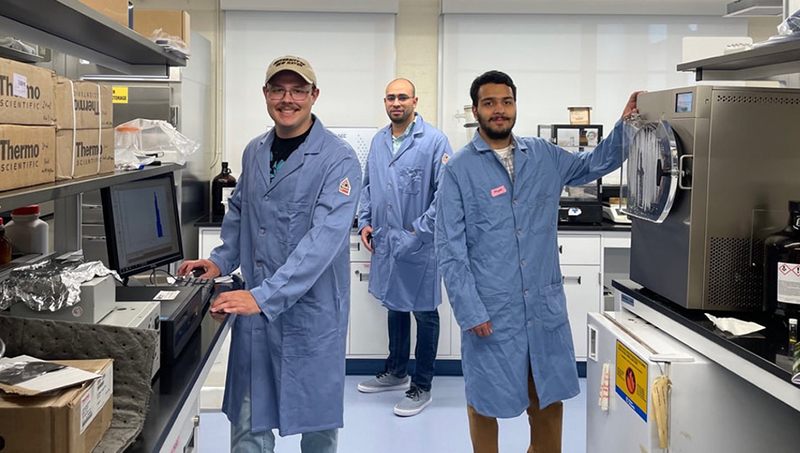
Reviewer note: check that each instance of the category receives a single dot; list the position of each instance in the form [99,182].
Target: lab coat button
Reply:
[258,264]
[388,186]
[522,262]
[515,201]
[262,231]
[389,207]
[266,197]
[525,293]
[528,323]
[519,232]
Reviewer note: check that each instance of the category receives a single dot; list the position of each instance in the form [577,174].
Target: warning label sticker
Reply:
[789,283]
[631,380]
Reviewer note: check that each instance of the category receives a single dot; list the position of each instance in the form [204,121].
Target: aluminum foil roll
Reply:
[49,285]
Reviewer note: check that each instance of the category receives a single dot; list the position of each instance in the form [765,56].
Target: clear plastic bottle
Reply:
[27,233]
[221,188]
[5,245]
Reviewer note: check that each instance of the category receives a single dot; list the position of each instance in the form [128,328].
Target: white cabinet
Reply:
[368,335]
[580,256]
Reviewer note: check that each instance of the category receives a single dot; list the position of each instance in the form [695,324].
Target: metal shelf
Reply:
[16,198]
[776,59]
[16,55]
[78,30]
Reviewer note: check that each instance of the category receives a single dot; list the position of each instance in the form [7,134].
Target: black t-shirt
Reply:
[282,148]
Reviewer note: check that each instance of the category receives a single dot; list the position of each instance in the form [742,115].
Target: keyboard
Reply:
[206,284]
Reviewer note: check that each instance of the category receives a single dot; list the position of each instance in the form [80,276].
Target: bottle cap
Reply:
[26,210]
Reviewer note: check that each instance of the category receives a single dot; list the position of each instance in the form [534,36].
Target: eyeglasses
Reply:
[401,98]
[277,93]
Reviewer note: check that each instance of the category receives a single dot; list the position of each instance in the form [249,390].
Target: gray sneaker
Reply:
[415,400]
[383,382]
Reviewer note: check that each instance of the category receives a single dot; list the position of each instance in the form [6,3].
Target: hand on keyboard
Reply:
[207,284]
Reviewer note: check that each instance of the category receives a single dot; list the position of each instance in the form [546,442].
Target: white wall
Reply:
[353,56]
[558,61]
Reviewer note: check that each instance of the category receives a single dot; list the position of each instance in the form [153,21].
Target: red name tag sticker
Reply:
[498,191]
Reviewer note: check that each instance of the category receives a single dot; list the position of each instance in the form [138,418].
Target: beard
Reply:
[401,119]
[494,133]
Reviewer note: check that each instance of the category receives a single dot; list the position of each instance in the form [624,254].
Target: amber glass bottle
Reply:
[221,188]
[5,245]
[782,264]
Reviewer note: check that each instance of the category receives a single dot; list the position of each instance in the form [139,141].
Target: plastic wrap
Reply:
[788,30]
[142,141]
[49,285]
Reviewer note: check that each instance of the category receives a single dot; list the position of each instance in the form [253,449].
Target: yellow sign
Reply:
[120,95]
[631,380]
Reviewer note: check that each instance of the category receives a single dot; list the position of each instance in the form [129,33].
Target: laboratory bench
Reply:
[173,412]
[759,358]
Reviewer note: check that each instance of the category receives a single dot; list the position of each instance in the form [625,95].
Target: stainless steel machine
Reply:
[710,172]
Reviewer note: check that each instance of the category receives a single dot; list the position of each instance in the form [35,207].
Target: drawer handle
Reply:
[567,280]
[362,276]
[561,249]
[355,246]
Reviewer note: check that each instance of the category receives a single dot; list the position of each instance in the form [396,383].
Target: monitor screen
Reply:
[142,225]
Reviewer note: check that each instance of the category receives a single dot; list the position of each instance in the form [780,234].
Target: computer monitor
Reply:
[142,225]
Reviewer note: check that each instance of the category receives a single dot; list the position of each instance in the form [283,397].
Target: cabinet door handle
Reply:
[561,249]
[362,276]
[355,246]
[570,280]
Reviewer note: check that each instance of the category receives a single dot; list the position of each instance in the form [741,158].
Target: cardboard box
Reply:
[69,421]
[171,22]
[579,115]
[27,155]
[86,105]
[115,9]
[26,94]
[86,149]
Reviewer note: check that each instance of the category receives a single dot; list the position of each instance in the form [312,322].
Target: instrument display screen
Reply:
[683,102]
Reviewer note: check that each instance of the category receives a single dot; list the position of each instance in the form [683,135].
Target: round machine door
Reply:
[653,173]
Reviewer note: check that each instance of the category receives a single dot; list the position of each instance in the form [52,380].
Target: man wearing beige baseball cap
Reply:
[288,226]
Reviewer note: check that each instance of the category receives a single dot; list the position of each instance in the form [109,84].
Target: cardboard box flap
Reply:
[42,376]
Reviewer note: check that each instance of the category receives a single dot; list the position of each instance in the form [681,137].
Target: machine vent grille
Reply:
[751,99]
[734,282]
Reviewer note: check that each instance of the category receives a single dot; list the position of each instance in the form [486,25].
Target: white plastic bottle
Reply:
[26,231]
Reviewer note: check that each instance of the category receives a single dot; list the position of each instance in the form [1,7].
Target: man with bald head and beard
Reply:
[396,222]
[496,231]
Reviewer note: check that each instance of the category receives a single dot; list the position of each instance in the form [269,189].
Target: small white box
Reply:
[138,315]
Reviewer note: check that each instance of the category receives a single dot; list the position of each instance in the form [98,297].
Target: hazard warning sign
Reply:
[789,283]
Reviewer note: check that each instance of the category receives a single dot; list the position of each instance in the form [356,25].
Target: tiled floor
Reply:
[371,426]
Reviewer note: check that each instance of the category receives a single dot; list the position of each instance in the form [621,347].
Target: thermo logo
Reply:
[86,150]
[10,151]
[86,105]
[7,88]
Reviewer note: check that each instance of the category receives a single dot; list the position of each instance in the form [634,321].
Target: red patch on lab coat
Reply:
[344,187]
[498,191]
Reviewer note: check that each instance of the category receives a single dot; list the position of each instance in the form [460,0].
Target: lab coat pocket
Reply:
[545,214]
[410,180]
[553,306]
[379,241]
[293,220]
[505,323]
[408,248]
[300,337]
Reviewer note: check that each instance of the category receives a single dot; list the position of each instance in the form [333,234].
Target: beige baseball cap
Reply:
[299,66]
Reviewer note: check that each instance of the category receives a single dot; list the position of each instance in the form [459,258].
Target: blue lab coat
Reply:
[497,250]
[398,198]
[291,237]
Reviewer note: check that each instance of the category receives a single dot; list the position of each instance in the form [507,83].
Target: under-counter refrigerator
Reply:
[708,409]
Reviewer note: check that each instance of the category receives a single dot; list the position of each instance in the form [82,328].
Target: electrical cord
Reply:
[153,274]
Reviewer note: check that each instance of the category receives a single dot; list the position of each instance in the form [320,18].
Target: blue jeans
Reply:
[400,345]
[245,441]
